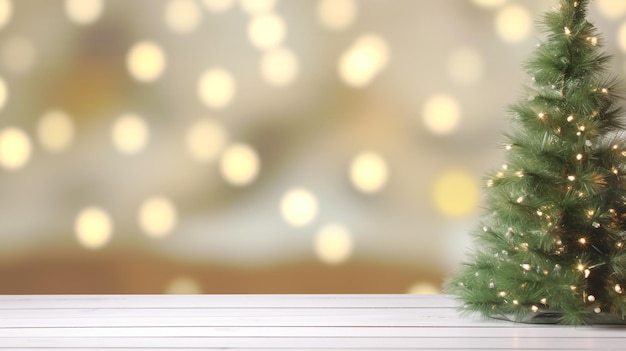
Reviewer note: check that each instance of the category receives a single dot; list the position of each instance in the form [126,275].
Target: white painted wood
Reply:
[275,322]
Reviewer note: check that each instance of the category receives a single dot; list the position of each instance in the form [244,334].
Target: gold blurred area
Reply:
[254,146]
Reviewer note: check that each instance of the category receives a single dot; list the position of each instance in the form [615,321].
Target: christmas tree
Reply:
[551,245]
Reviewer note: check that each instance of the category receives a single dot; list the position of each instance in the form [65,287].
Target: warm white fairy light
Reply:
[539,213]
[579,157]
[567,31]
[515,302]
[591,298]
[508,147]
[571,178]
[505,167]
[582,241]
[597,310]
[587,272]
[580,267]
[502,293]
[570,118]
[520,199]
[534,308]
[581,128]
[525,266]
[605,90]
[618,288]
[593,40]
[595,225]
[544,301]
[541,115]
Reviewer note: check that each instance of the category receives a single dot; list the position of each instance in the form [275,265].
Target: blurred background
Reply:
[254,146]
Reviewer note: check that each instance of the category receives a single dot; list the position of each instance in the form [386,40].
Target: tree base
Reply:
[556,317]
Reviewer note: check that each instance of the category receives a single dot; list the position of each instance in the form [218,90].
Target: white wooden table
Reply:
[274,322]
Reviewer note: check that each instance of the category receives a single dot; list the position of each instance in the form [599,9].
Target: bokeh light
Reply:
[489,3]
[216,88]
[6,12]
[267,31]
[55,130]
[336,14]
[611,9]
[15,148]
[129,134]
[465,65]
[84,12]
[363,60]
[257,7]
[183,286]
[239,164]
[93,227]
[279,67]
[18,54]
[157,217]
[368,172]
[218,6]
[441,114]
[182,16]
[456,193]
[205,139]
[333,244]
[298,207]
[146,61]
[424,288]
[513,23]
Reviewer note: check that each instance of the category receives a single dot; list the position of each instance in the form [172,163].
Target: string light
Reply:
[591,298]
[567,31]
[605,90]
[544,301]
[582,241]
[579,157]
[541,115]
[520,199]
[593,40]
[571,178]
[515,302]
[525,266]
[534,308]
[587,272]
[595,225]
[502,293]
[597,310]
[570,118]
[618,288]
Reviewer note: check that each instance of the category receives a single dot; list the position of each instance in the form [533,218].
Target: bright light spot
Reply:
[15,148]
[218,6]
[182,16]
[488,3]
[239,164]
[441,114]
[129,134]
[456,193]
[513,23]
[6,12]
[333,244]
[363,60]
[336,14]
[267,31]
[257,7]
[611,9]
[4,93]
[157,217]
[18,54]
[298,207]
[465,66]
[93,228]
[279,67]
[183,286]
[368,172]
[55,131]
[216,88]
[83,11]
[424,288]
[146,61]
[205,139]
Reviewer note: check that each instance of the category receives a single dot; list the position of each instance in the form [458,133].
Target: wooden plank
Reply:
[433,343]
[320,317]
[223,301]
[507,330]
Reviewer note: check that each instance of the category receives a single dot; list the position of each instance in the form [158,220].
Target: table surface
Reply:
[274,322]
